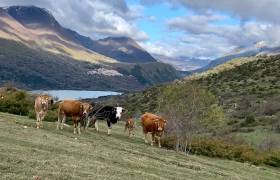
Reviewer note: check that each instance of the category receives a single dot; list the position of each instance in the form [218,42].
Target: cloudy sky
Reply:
[193,28]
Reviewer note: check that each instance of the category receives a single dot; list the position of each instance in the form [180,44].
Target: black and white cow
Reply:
[109,113]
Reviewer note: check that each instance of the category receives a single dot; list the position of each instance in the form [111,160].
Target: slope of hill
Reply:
[122,49]
[37,69]
[29,153]
[248,89]
[224,59]
[149,73]
[34,69]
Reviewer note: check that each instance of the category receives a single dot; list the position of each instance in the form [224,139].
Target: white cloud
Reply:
[203,35]
[158,48]
[260,10]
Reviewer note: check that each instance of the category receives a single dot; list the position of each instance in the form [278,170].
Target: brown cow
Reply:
[41,106]
[129,125]
[153,124]
[74,108]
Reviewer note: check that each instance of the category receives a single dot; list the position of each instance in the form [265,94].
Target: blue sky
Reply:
[156,28]
[172,28]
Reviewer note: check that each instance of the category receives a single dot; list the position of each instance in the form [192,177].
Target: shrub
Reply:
[221,148]
[16,102]
[51,116]
[273,159]
[249,121]
[271,107]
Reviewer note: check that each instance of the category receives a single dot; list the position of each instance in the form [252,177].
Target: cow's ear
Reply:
[124,110]
[52,101]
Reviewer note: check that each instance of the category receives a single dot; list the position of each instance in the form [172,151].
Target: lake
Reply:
[75,94]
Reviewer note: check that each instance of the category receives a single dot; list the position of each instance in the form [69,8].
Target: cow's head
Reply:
[130,124]
[45,103]
[119,111]
[161,123]
[86,109]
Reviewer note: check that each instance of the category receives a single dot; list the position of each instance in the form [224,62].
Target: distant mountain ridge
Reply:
[259,48]
[123,49]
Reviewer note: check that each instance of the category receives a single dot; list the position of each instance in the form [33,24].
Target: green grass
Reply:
[51,154]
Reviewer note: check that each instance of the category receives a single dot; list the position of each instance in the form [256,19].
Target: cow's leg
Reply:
[145,137]
[42,118]
[95,123]
[79,127]
[63,121]
[58,121]
[84,122]
[109,127]
[153,139]
[37,120]
[88,121]
[75,125]
[158,138]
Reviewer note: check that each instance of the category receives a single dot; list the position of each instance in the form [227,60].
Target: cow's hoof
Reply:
[146,141]
[152,144]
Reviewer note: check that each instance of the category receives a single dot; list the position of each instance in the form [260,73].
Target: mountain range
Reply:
[31,35]
[256,49]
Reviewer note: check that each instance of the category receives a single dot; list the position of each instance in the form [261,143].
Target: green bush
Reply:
[16,102]
[273,159]
[214,147]
[51,116]
[249,121]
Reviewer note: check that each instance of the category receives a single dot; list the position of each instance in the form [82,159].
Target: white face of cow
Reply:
[119,112]
[44,104]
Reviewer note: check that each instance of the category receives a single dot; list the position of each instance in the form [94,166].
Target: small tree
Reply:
[189,109]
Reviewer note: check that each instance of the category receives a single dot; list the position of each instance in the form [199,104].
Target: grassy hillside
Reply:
[37,69]
[247,90]
[27,153]
[149,73]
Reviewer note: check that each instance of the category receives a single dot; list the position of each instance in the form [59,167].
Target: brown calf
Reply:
[129,125]
[41,106]
[153,124]
[75,109]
